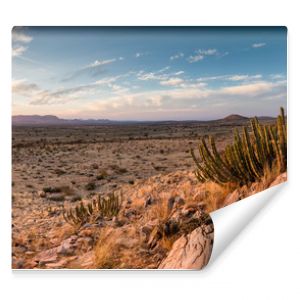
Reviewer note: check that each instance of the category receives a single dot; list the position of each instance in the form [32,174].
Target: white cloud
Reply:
[190,99]
[210,78]
[173,81]
[22,87]
[195,58]
[208,52]
[177,56]
[140,54]
[18,35]
[151,76]
[107,80]
[98,63]
[277,76]
[244,77]
[163,69]
[251,89]
[234,77]
[93,69]
[258,45]
[200,54]
[39,96]
[18,51]
[160,75]
[176,97]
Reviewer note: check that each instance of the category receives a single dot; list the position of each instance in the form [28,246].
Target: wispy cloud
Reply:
[258,45]
[140,54]
[244,77]
[200,54]
[189,100]
[195,58]
[177,56]
[19,38]
[19,35]
[173,81]
[180,96]
[98,63]
[93,69]
[232,77]
[160,75]
[18,51]
[251,89]
[277,76]
[39,96]
[24,88]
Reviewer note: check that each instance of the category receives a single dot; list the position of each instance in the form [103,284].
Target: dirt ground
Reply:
[54,167]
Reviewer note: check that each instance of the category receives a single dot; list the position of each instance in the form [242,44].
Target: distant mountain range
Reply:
[53,120]
[23,120]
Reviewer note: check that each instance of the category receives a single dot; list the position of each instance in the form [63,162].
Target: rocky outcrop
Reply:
[191,251]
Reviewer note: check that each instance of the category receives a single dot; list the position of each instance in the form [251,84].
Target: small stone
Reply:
[67,247]
[56,197]
[18,264]
[94,166]
[46,256]
[232,197]
[149,201]
[42,194]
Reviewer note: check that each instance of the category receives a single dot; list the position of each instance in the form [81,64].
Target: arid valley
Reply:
[57,168]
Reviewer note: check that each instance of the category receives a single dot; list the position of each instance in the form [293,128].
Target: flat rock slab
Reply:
[190,251]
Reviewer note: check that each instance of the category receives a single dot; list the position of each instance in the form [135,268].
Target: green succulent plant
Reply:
[99,208]
[245,160]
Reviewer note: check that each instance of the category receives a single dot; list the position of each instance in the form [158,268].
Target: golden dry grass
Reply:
[104,251]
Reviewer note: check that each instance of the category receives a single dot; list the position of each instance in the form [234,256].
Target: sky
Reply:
[149,73]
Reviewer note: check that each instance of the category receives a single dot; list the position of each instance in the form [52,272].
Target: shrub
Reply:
[50,189]
[100,208]
[102,175]
[247,158]
[90,186]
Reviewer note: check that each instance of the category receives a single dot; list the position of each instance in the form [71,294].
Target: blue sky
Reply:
[155,73]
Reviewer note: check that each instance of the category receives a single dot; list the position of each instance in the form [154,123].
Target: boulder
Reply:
[191,251]
[47,256]
[68,246]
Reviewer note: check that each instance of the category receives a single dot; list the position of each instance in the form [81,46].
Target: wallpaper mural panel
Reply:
[126,139]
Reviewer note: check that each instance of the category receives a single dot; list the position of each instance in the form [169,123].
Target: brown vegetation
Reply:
[161,208]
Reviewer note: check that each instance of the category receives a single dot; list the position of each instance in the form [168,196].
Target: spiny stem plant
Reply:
[99,208]
[246,159]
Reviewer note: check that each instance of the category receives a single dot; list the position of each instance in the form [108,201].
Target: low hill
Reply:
[53,120]
[235,118]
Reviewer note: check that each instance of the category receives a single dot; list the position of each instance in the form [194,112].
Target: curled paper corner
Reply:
[204,245]
[230,221]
